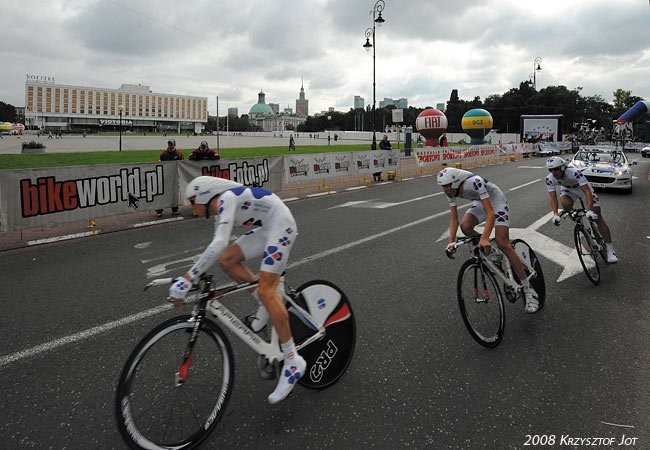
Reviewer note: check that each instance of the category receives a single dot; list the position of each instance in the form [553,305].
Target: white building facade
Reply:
[57,107]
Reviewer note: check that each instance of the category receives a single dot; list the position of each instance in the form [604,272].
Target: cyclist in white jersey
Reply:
[272,235]
[574,184]
[489,205]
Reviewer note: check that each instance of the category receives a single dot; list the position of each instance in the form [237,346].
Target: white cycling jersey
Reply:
[476,188]
[272,232]
[571,185]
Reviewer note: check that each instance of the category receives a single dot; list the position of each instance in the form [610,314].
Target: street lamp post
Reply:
[377,20]
[120,108]
[536,68]
[329,123]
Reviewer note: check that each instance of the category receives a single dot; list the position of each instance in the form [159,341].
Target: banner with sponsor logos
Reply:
[42,197]
[430,156]
[329,165]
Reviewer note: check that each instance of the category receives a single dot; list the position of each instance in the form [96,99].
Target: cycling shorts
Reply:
[273,242]
[501,212]
[575,193]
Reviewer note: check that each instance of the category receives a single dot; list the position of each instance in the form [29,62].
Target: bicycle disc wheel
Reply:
[530,260]
[153,409]
[587,255]
[481,304]
[329,357]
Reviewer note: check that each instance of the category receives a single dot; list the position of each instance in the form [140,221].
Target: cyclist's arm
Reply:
[489,222]
[588,196]
[221,239]
[453,223]
[552,197]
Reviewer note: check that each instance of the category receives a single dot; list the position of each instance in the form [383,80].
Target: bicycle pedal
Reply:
[266,370]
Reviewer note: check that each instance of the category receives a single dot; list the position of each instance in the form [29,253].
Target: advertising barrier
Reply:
[43,197]
[300,168]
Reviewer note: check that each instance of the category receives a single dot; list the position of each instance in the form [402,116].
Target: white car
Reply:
[608,169]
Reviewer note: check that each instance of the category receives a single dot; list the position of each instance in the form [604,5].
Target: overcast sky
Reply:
[234,49]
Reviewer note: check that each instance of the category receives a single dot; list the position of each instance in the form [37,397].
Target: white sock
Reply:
[292,369]
[288,350]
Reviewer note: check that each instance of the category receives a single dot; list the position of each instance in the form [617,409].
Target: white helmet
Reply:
[453,176]
[554,162]
[206,188]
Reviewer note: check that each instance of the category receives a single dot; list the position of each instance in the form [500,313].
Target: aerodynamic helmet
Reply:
[205,188]
[453,176]
[554,162]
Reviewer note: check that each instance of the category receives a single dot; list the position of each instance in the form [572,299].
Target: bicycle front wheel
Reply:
[587,254]
[481,304]
[162,402]
[329,357]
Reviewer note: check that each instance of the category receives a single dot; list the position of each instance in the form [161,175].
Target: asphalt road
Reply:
[578,369]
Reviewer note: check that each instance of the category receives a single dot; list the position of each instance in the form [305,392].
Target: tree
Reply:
[7,112]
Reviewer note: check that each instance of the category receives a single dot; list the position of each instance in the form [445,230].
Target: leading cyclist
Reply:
[489,205]
[272,235]
[574,184]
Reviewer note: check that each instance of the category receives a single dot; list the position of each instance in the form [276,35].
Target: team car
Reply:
[605,168]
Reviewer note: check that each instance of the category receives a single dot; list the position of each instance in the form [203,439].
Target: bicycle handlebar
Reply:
[160,282]
[573,214]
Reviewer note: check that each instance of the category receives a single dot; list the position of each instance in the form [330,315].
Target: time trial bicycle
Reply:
[483,281]
[176,383]
[588,241]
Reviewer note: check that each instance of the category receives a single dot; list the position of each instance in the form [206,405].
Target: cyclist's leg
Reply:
[231,262]
[472,217]
[280,239]
[609,254]
[567,199]
[602,225]
[502,237]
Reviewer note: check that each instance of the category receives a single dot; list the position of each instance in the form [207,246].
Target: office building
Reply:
[57,107]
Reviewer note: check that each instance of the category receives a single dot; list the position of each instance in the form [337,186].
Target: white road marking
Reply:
[381,205]
[154,222]
[551,249]
[61,238]
[525,184]
[71,339]
[51,345]
[354,188]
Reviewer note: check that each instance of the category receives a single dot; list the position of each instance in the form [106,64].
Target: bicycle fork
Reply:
[183,372]
[486,293]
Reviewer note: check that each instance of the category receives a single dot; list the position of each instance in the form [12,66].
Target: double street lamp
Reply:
[377,20]
[120,108]
[536,68]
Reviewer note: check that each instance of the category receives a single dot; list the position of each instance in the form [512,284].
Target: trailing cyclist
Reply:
[489,205]
[573,184]
[272,235]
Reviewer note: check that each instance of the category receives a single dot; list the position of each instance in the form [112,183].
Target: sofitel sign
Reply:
[40,78]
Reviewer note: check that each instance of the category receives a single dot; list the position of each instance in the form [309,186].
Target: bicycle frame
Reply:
[505,274]
[579,217]
[221,314]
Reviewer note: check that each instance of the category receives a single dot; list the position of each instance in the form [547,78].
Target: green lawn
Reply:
[35,161]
